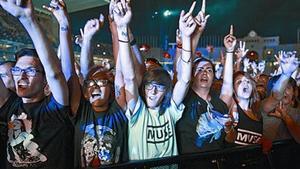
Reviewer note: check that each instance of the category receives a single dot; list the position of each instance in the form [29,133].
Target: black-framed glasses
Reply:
[158,87]
[30,71]
[100,83]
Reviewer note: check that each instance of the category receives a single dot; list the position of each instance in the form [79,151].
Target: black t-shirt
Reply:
[3,129]
[100,138]
[197,130]
[40,135]
[249,131]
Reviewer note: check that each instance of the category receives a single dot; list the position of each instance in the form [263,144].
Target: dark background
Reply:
[266,17]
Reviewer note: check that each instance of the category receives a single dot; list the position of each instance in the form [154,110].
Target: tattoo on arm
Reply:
[117,91]
[64,28]
[124,34]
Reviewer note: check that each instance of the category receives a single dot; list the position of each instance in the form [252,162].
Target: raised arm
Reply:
[187,26]
[201,20]
[138,60]
[227,87]
[86,55]
[23,10]
[122,16]
[59,10]
[288,64]
[119,80]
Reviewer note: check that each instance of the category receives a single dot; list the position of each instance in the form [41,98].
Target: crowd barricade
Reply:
[283,155]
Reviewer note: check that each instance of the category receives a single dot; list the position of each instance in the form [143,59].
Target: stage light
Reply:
[167,13]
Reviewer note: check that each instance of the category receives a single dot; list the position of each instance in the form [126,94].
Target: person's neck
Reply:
[99,109]
[201,92]
[34,99]
[244,104]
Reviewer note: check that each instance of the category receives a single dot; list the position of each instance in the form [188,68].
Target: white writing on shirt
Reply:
[246,137]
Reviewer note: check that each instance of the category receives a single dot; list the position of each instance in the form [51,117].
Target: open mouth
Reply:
[204,79]
[96,94]
[151,98]
[22,84]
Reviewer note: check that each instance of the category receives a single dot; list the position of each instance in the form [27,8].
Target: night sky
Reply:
[266,17]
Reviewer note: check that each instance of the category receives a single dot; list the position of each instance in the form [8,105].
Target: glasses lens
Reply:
[16,71]
[30,71]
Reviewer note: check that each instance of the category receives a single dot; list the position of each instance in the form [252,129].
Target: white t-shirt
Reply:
[152,135]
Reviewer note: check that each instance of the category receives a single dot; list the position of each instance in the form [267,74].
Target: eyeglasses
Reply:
[100,83]
[158,87]
[30,71]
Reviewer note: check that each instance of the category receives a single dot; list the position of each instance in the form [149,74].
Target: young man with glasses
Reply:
[39,132]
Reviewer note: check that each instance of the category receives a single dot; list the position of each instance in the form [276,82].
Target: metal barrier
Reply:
[283,155]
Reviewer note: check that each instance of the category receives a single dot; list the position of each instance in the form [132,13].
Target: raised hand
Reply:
[254,67]
[288,62]
[59,10]
[90,29]
[279,112]
[201,18]
[261,66]
[187,24]
[122,13]
[230,41]
[246,64]
[22,9]
[241,51]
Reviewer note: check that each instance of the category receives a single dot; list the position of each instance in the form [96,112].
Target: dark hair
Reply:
[153,63]
[197,60]
[103,74]
[162,77]
[26,52]
[7,62]
[254,94]
[292,82]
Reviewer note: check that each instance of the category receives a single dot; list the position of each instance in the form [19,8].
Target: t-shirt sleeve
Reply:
[176,111]
[56,110]
[138,111]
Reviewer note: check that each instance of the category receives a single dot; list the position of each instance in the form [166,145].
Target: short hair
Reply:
[7,62]
[197,60]
[26,52]
[102,72]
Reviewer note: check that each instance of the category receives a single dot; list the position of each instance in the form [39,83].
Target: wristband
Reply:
[123,41]
[186,50]
[133,42]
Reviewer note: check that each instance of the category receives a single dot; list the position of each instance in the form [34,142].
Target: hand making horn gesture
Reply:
[187,24]
[201,18]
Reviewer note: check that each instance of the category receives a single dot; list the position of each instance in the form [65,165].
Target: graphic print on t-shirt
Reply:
[159,134]
[209,126]
[97,146]
[246,137]
[22,151]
